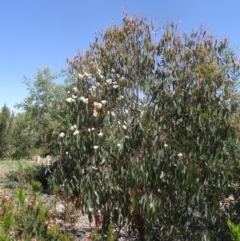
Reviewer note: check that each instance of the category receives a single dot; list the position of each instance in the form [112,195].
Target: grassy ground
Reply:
[6,166]
[12,165]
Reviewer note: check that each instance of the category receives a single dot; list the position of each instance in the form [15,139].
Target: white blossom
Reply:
[109,81]
[70,99]
[113,70]
[151,205]
[118,145]
[231,197]
[75,89]
[93,89]
[165,145]
[124,127]
[100,134]
[162,175]
[118,75]
[83,99]
[85,74]
[74,96]
[104,102]
[72,128]
[120,97]
[95,147]
[76,132]
[66,153]
[112,113]
[122,78]
[97,84]
[80,76]
[98,105]
[95,113]
[93,128]
[61,134]
[89,129]
[115,86]
[180,154]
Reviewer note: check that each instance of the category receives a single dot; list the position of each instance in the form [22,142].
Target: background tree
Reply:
[147,132]
[42,109]
[6,121]
[24,138]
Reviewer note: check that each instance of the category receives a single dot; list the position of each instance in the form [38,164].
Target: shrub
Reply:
[24,176]
[234,230]
[26,217]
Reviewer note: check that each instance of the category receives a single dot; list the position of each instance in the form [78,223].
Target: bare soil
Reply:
[3,171]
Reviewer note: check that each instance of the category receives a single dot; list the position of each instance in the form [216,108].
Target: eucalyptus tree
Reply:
[148,120]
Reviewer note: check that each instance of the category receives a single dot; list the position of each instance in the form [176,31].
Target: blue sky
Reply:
[40,33]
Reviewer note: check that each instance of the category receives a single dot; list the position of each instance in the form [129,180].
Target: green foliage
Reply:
[147,129]
[110,233]
[234,230]
[95,235]
[25,217]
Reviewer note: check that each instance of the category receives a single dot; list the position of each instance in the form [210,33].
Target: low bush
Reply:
[24,176]
[24,216]
[234,230]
